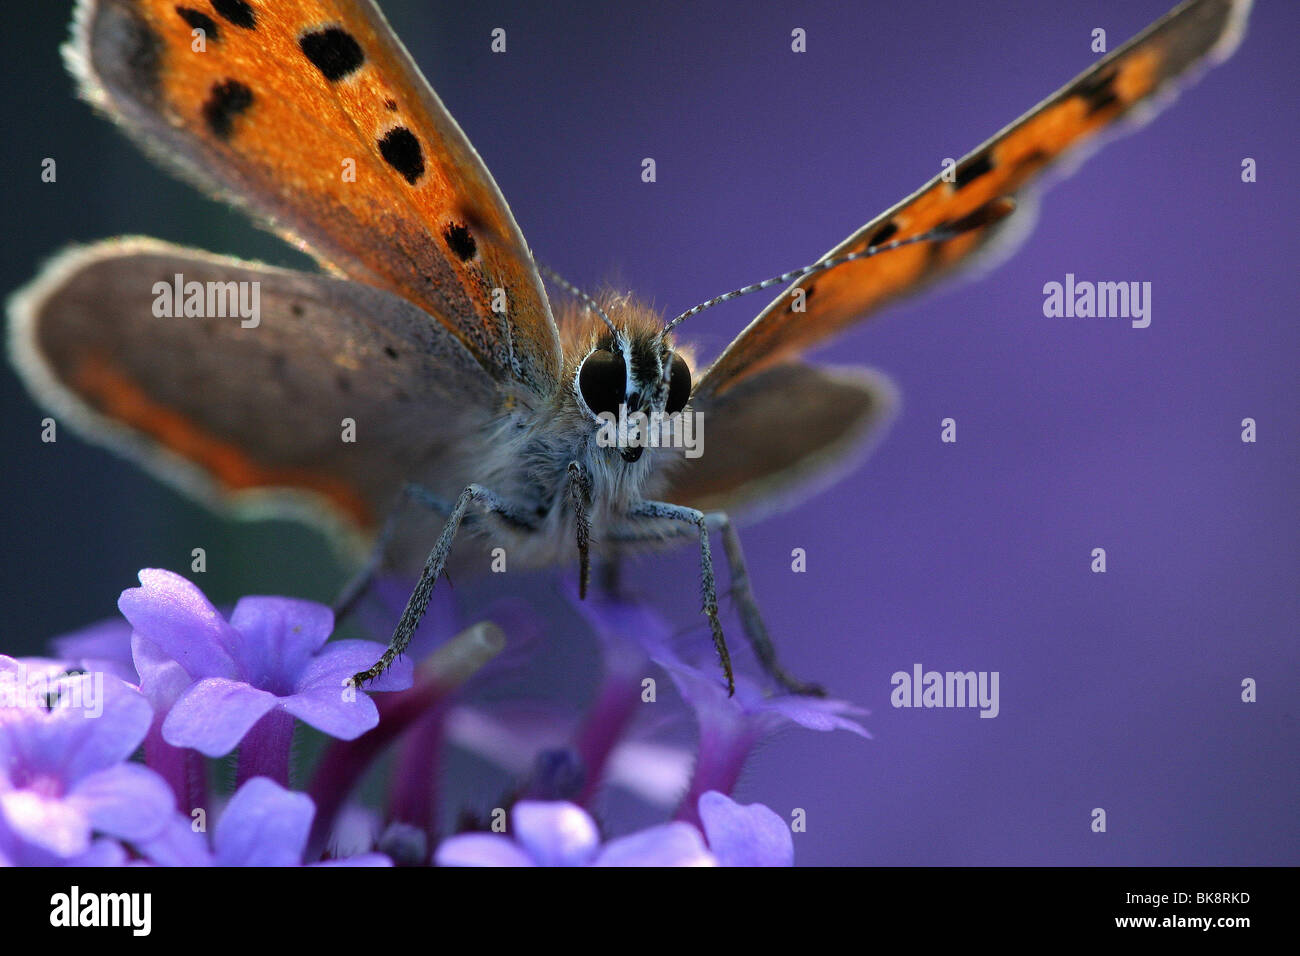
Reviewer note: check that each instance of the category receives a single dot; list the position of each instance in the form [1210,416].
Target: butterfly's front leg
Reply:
[580,501]
[693,516]
[433,567]
[741,591]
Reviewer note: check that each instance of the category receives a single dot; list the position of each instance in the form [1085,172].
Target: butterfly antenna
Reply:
[573,290]
[985,215]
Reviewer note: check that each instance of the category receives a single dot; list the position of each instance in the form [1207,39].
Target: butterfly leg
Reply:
[360,582]
[433,568]
[662,509]
[750,616]
[742,593]
[580,500]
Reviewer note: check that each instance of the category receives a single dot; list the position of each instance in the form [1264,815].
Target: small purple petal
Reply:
[263,825]
[339,660]
[481,849]
[750,835]
[97,742]
[214,715]
[326,709]
[172,613]
[814,713]
[127,801]
[671,844]
[177,844]
[555,834]
[162,679]
[97,722]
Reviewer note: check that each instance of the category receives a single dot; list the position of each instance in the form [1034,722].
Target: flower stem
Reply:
[182,768]
[722,757]
[345,762]
[436,678]
[265,750]
[604,725]
[414,795]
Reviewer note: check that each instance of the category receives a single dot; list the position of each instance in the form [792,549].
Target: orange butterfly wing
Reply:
[313,116]
[1075,115]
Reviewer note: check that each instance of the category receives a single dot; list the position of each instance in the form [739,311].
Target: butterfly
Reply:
[476,402]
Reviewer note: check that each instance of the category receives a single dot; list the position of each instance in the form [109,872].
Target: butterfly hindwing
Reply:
[247,411]
[313,117]
[822,304]
[778,428]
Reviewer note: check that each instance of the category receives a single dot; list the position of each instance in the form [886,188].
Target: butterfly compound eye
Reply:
[603,381]
[679,385]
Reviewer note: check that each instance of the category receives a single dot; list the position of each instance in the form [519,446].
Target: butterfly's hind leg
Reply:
[357,586]
[433,568]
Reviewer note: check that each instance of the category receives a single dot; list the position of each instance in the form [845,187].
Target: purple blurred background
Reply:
[1120,690]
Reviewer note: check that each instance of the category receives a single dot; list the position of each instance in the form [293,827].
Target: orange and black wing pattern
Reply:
[314,117]
[1130,78]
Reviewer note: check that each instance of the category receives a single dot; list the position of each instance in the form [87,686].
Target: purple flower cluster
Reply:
[106,748]
[559,833]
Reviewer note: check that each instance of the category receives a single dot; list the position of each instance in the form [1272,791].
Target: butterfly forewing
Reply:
[313,116]
[822,304]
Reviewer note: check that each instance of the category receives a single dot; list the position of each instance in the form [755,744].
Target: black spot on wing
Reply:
[1098,91]
[198,20]
[1030,163]
[883,234]
[401,150]
[992,212]
[237,12]
[333,51]
[972,169]
[391,105]
[390,351]
[227,100]
[460,241]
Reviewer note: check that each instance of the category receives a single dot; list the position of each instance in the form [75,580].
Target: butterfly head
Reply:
[629,372]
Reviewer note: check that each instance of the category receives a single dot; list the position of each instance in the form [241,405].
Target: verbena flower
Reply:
[215,679]
[263,825]
[209,683]
[563,834]
[63,779]
[729,727]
